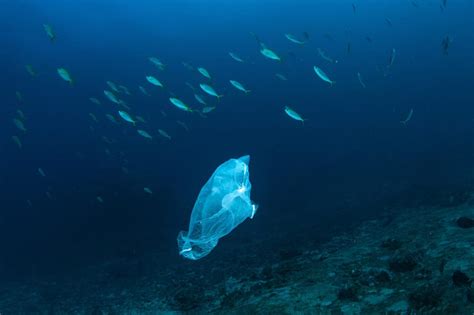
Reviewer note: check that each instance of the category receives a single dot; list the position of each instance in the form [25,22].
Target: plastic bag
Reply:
[223,203]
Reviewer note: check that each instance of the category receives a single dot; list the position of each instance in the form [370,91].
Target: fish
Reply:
[20,114]
[323,75]
[329,37]
[189,85]
[154,81]
[187,66]
[255,36]
[270,54]
[142,89]
[354,8]
[204,72]
[445,44]
[94,100]
[64,74]
[111,96]
[99,199]
[360,80]
[392,57]
[49,195]
[281,77]
[180,104]
[94,118]
[30,70]
[323,55]
[124,89]
[410,114]
[144,134]
[163,113]
[164,134]
[293,39]
[49,32]
[210,90]
[239,86]
[125,116]
[111,118]
[208,109]
[157,62]
[182,124]
[368,39]
[41,172]
[19,96]
[106,140]
[200,99]
[389,22]
[290,112]
[140,119]
[17,141]
[235,57]
[147,190]
[112,86]
[415,4]
[19,124]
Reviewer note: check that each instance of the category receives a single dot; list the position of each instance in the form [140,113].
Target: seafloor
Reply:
[420,261]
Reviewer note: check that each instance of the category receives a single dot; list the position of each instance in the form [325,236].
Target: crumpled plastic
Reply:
[223,203]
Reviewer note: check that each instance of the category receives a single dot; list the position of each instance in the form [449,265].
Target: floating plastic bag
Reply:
[223,203]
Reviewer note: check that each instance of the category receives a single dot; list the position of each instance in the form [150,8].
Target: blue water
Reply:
[350,160]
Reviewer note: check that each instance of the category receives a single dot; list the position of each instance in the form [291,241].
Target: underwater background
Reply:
[396,139]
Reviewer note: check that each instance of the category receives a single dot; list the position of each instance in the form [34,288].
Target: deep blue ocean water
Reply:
[349,162]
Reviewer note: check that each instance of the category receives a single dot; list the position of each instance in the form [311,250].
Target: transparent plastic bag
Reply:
[223,203]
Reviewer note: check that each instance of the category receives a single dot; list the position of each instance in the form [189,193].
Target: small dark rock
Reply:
[460,279]
[286,254]
[96,311]
[426,298]
[391,244]
[442,264]
[403,263]
[465,223]
[189,298]
[382,277]
[349,293]
[231,300]
[285,269]
[267,272]
[470,295]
